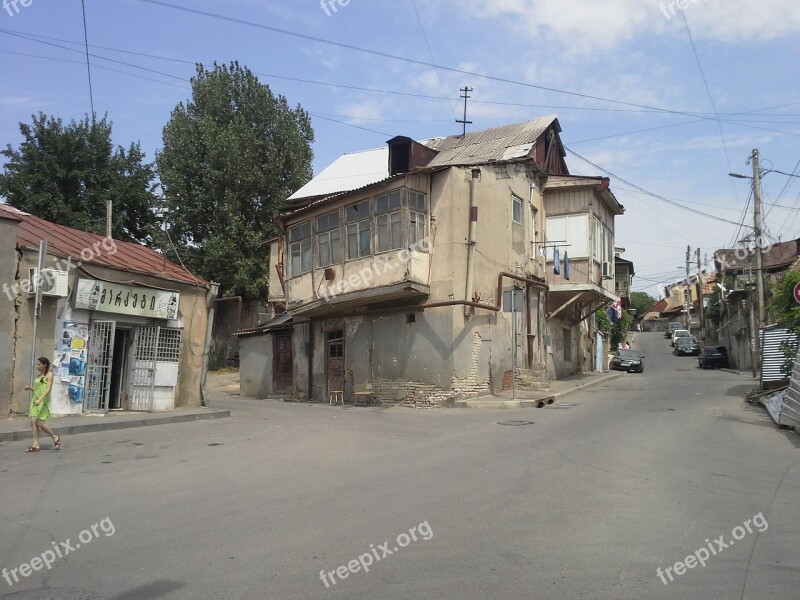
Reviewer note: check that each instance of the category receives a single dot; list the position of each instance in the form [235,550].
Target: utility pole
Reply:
[759,242]
[687,294]
[466,96]
[700,297]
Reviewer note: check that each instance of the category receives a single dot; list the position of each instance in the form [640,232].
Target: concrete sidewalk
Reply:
[17,428]
[219,384]
[526,399]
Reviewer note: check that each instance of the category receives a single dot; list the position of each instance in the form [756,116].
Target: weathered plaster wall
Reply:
[8,315]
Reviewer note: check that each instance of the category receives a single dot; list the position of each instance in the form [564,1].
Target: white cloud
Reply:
[585,27]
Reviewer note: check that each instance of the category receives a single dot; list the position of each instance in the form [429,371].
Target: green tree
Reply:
[65,174]
[785,307]
[232,154]
[787,313]
[642,302]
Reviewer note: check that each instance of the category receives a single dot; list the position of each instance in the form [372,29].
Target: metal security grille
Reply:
[98,366]
[773,340]
[169,345]
[143,370]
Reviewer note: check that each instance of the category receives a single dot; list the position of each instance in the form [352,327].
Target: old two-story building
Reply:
[419,271]
[580,230]
[123,327]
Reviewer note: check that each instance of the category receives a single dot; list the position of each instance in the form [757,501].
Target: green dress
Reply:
[41,412]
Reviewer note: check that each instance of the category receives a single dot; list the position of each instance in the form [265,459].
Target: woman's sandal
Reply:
[57,444]
[33,449]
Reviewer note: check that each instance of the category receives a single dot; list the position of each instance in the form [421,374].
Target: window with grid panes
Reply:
[359,231]
[329,247]
[389,221]
[169,345]
[418,219]
[300,248]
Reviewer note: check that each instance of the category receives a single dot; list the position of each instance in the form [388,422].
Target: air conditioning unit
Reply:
[606,270]
[53,282]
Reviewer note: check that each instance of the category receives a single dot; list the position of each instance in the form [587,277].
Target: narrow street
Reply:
[587,500]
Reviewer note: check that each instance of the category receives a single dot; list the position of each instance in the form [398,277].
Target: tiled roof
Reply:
[67,242]
[356,170]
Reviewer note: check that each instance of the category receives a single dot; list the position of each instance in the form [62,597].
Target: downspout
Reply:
[469,293]
[310,353]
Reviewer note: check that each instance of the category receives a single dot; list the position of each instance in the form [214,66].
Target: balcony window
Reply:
[418,219]
[359,231]
[388,221]
[300,248]
[329,250]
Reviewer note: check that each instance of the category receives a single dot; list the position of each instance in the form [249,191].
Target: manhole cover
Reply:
[563,405]
[516,423]
[681,369]
[215,444]
[661,410]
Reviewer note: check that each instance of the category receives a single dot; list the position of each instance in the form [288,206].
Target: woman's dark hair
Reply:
[45,362]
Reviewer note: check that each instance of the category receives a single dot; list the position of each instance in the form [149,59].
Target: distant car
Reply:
[686,347]
[714,357]
[671,327]
[627,360]
[679,333]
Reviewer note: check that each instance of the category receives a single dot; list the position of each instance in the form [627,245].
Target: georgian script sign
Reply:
[126,299]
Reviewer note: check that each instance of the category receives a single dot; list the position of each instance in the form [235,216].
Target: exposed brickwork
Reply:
[424,395]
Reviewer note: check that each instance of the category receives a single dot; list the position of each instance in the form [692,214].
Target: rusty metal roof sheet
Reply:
[356,170]
[499,143]
[67,242]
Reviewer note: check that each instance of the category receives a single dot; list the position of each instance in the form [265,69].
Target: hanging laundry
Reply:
[556,261]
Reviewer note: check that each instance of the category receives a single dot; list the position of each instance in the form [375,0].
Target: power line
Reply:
[405,59]
[644,191]
[88,65]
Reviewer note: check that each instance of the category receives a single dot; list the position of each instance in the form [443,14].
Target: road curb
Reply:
[24,434]
[582,386]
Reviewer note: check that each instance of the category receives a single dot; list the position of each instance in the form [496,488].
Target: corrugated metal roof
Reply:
[498,143]
[348,172]
[356,170]
[67,242]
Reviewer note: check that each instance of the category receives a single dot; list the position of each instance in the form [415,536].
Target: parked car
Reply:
[713,356]
[627,360]
[686,347]
[671,327]
[680,333]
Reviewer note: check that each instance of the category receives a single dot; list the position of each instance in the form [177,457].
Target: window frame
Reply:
[517,201]
[303,244]
[324,235]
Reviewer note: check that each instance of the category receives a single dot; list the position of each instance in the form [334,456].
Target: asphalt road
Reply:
[587,500]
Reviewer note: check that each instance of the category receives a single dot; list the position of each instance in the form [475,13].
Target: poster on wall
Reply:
[71,363]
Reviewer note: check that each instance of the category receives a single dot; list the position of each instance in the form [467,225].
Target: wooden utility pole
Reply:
[687,291]
[464,121]
[759,242]
[700,297]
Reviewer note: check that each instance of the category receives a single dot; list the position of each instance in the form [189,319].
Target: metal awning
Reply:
[387,293]
[563,295]
[281,321]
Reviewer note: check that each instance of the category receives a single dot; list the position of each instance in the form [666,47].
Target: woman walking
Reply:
[39,410]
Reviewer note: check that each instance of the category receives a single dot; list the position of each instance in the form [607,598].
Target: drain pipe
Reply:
[473,230]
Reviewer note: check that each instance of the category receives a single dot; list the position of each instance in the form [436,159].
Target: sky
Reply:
[665,100]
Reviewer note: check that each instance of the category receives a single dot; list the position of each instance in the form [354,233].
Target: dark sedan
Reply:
[713,356]
[686,347]
[627,360]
